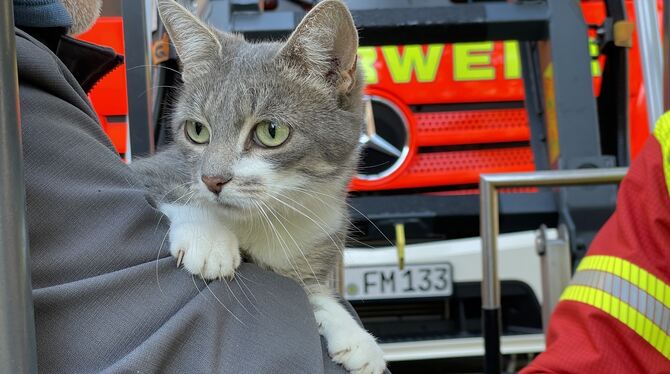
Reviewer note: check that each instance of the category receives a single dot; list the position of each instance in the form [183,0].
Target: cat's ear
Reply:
[196,44]
[325,44]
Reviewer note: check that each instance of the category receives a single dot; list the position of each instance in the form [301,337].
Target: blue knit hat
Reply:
[41,13]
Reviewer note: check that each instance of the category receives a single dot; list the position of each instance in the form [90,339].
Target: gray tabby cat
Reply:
[266,142]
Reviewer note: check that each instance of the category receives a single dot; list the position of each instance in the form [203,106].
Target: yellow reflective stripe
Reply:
[627,292]
[623,312]
[630,272]
[662,134]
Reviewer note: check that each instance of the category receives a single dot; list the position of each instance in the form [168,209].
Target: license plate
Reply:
[389,282]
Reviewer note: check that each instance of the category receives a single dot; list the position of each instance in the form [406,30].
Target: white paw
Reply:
[206,249]
[357,351]
[348,343]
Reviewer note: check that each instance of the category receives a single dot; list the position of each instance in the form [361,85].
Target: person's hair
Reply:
[83,14]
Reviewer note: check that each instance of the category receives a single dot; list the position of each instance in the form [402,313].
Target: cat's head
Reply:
[258,121]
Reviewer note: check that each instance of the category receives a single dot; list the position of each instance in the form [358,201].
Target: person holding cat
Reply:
[107,294]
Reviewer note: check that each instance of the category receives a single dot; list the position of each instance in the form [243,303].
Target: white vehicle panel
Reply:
[462,347]
[517,258]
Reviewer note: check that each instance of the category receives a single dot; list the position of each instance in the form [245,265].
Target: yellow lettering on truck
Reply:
[512,59]
[472,61]
[367,57]
[413,60]
[594,51]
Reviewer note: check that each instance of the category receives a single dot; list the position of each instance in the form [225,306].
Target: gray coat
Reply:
[108,297]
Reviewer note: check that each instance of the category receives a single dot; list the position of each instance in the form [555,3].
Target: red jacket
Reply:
[615,315]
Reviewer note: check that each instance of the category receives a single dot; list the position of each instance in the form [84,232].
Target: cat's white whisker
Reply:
[296,244]
[160,219]
[246,279]
[360,242]
[187,193]
[236,299]
[306,208]
[158,256]
[155,66]
[307,192]
[189,198]
[184,185]
[280,240]
[310,218]
[251,214]
[195,284]
[352,207]
[239,284]
[161,86]
[220,302]
[338,246]
[350,223]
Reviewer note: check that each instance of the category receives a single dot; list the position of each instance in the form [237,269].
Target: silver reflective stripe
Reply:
[627,292]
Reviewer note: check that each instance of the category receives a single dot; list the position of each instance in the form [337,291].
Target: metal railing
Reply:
[138,79]
[489,226]
[648,34]
[17,323]
[556,267]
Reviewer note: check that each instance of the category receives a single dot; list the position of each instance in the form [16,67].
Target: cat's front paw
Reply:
[357,351]
[208,250]
[348,343]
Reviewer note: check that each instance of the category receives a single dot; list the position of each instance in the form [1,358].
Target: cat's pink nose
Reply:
[215,184]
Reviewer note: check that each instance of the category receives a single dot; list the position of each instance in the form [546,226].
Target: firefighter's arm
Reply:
[614,317]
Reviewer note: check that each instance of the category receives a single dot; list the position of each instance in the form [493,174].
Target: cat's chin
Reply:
[227,205]
[224,203]
[230,207]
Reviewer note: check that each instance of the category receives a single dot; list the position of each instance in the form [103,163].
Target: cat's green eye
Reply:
[271,134]
[197,132]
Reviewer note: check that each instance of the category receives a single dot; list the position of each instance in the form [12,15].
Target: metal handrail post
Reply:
[17,323]
[489,225]
[138,73]
[648,34]
[490,290]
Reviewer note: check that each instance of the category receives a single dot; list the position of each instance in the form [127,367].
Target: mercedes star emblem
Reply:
[384,139]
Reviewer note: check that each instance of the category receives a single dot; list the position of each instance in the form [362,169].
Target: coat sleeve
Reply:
[108,298]
[614,317]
